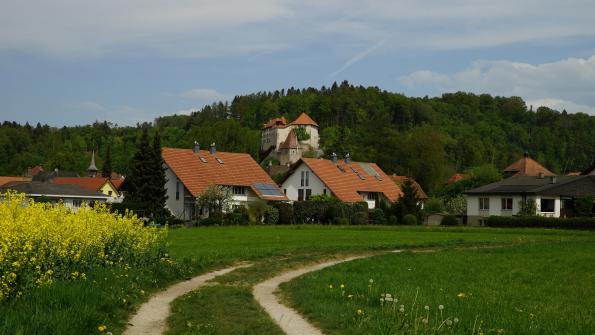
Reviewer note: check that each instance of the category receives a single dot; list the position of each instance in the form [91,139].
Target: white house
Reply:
[553,196]
[72,196]
[347,180]
[189,172]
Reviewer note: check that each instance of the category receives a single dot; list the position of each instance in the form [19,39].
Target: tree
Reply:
[106,169]
[409,202]
[158,195]
[301,133]
[215,199]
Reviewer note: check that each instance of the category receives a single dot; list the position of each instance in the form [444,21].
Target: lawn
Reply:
[109,297]
[533,288]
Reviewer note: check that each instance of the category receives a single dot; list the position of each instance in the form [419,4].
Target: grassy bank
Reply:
[532,288]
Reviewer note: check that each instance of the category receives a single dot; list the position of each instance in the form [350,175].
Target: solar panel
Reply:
[369,170]
[267,189]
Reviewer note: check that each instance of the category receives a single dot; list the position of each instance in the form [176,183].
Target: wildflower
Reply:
[448,322]
[360,312]
[462,295]
[371,281]
[350,296]
[424,320]
[102,328]
[402,309]
[456,320]
[500,331]
[381,300]
[389,299]
[427,308]
[531,315]
[440,307]
[342,286]
[330,286]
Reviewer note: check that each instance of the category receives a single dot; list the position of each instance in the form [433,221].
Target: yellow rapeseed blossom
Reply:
[41,242]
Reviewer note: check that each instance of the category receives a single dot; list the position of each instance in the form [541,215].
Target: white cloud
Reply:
[205,95]
[561,105]
[214,28]
[568,82]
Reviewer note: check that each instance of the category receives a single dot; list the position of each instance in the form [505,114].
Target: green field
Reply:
[532,288]
[110,298]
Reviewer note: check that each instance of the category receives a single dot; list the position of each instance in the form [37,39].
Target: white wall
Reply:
[496,205]
[557,206]
[176,207]
[293,184]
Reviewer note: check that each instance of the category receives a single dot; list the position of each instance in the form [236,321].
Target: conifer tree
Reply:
[157,195]
[139,175]
[106,169]
[409,201]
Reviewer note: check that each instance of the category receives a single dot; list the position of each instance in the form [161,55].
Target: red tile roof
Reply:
[304,120]
[399,180]
[291,142]
[455,178]
[238,169]
[278,122]
[9,179]
[346,185]
[87,183]
[32,172]
[527,167]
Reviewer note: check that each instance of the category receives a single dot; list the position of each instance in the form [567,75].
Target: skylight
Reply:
[219,160]
[202,159]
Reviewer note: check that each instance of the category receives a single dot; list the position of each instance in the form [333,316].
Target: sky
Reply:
[72,62]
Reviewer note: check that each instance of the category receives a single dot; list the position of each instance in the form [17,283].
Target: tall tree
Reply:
[106,169]
[158,194]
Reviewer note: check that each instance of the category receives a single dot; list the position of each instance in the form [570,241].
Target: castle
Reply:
[287,142]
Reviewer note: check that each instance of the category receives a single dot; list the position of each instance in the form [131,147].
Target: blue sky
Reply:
[68,62]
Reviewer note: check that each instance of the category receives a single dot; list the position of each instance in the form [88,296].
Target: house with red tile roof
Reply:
[281,140]
[190,172]
[347,180]
[455,178]
[526,166]
[9,179]
[99,184]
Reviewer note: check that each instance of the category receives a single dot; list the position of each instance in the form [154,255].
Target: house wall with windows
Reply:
[175,194]
[302,184]
[480,207]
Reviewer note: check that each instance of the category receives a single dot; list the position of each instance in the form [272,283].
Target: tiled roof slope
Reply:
[291,142]
[526,166]
[278,122]
[86,183]
[346,185]
[9,179]
[399,180]
[238,169]
[51,189]
[561,185]
[304,120]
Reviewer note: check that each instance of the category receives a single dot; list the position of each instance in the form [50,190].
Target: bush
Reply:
[271,215]
[341,221]
[392,220]
[234,219]
[377,216]
[433,205]
[410,220]
[583,206]
[285,212]
[449,220]
[211,220]
[244,218]
[540,222]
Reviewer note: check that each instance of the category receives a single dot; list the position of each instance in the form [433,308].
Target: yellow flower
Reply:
[102,328]
[330,286]
[462,295]
[342,285]
[360,312]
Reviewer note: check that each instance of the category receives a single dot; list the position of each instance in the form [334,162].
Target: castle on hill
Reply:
[287,142]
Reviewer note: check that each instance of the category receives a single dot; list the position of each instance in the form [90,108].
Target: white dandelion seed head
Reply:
[371,280]
[456,320]
[381,299]
[425,321]
[401,309]
[440,307]
[448,322]
[388,299]
[388,295]
[427,308]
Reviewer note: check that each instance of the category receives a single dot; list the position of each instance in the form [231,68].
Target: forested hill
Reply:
[428,138]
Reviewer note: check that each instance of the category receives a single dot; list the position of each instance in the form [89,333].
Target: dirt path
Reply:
[152,315]
[290,321]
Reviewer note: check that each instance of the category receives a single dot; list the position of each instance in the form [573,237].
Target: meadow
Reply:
[533,288]
[109,294]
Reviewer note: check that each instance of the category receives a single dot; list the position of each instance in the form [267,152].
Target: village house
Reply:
[526,166]
[189,172]
[553,196]
[287,142]
[347,180]
[103,185]
[72,196]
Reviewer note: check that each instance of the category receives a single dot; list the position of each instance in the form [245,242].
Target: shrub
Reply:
[341,221]
[410,220]
[583,206]
[285,212]
[41,243]
[234,219]
[211,220]
[256,211]
[377,216]
[433,205]
[449,220]
[271,215]
[392,220]
[244,216]
[541,222]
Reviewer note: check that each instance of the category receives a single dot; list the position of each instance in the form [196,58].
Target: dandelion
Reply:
[360,312]
[381,300]
[427,308]
[456,320]
[440,307]
[330,286]
[388,295]
[342,286]
[350,296]
[102,328]
[448,322]
[424,321]
[402,309]
[371,281]
[462,295]
[389,299]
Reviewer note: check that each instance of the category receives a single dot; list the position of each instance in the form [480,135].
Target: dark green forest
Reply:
[427,138]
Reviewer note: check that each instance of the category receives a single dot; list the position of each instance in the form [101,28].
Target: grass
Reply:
[533,288]
[79,307]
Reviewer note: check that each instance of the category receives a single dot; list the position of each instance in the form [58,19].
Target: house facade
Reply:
[280,139]
[99,184]
[72,196]
[189,172]
[552,196]
[346,180]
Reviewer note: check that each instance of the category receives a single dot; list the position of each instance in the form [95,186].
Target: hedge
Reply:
[330,212]
[541,222]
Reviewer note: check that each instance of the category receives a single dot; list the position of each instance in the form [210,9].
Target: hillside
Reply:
[428,138]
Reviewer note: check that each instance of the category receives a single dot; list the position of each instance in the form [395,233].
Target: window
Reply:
[308,193]
[302,182]
[300,195]
[239,190]
[548,205]
[178,190]
[76,203]
[506,204]
[307,178]
[484,204]
[324,191]
[110,193]
[285,191]
[372,196]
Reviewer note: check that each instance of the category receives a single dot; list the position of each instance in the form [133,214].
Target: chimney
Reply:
[334,158]
[196,148]
[552,179]
[541,175]
[347,158]
[213,148]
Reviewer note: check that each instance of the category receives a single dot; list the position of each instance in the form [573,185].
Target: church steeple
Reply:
[92,169]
